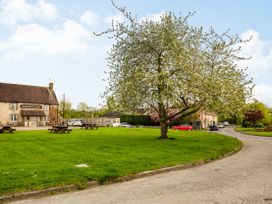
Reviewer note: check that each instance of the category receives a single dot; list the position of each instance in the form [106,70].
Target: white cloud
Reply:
[263,92]
[260,51]
[31,37]
[154,17]
[89,18]
[70,38]
[19,11]
[115,18]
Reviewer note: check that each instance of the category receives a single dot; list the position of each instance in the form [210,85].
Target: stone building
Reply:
[206,118]
[24,105]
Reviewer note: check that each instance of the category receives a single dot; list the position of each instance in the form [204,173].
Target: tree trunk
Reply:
[163,130]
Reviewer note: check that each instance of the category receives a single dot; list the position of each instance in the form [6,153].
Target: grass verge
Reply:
[254,132]
[33,160]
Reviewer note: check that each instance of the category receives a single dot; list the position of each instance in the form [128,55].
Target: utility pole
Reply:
[63,107]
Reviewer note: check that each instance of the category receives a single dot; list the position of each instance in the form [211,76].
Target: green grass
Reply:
[31,160]
[254,132]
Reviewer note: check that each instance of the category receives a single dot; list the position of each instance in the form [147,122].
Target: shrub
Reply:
[259,125]
[138,120]
[246,124]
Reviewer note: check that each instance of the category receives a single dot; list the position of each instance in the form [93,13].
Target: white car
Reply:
[75,122]
[226,123]
[221,125]
[125,124]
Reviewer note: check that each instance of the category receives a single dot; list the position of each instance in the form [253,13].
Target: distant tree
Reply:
[167,63]
[111,104]
[82,106]
[253,116]
[53,115]
[257,105]
[65,108]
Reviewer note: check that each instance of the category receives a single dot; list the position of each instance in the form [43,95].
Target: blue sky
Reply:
[42,39]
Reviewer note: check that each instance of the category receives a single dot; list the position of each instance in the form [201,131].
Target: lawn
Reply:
[253,131]
[31,160]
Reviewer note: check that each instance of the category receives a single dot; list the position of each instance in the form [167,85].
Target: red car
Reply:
[182,127]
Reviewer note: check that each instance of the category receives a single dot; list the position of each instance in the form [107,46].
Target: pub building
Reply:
[25,105]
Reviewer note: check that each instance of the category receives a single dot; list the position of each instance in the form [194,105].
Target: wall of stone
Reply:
[4,113]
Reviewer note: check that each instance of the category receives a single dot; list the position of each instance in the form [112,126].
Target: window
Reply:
[46,107]
[13,118]
[13,106]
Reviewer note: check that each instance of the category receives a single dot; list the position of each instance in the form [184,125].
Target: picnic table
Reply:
[89,125]
[60,129]
[6,128]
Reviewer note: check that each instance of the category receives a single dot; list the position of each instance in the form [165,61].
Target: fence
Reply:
[99,121]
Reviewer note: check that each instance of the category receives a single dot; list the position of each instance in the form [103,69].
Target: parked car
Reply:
[125,124]
[214,127]
[226,123]
[182,127]
[221,125]
[75,122]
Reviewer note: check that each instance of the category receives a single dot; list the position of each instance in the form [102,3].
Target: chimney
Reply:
[51,86]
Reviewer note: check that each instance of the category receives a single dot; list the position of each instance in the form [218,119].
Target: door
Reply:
[34,121]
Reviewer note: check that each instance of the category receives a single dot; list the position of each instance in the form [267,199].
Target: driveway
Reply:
[245,177]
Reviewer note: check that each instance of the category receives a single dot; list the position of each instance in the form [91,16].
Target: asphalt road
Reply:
[245,177]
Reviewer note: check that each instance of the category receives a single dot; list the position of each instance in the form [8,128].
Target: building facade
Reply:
[24,105]
[207,118]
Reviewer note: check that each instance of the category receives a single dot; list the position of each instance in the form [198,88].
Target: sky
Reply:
[44,41]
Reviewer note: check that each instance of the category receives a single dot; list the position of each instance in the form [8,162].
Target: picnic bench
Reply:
[89,126]
[6,128]
[60,129]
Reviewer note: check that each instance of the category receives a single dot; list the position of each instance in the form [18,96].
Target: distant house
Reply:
[200,120]
[205,119]
[26,105]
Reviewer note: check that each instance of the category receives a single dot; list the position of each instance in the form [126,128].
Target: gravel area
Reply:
[245,177]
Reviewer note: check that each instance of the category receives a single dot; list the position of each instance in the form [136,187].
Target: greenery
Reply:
[138,120]
[253,131]
[82,110]
[240,119]
[259,106]
[173,68]
[33,160]
[253,116]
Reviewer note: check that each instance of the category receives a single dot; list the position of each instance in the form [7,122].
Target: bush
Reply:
[246,124]
[259,125]
[138,120]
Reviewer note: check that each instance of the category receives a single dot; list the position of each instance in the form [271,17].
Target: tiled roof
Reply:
[17,93]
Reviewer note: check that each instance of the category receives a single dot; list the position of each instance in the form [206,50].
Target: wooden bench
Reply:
[89,125]
[60,129]
[7,128]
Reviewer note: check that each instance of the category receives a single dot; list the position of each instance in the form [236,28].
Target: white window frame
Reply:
[13,117]
[46,107]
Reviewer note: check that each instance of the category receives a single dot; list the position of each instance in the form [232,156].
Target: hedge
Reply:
[138,120]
